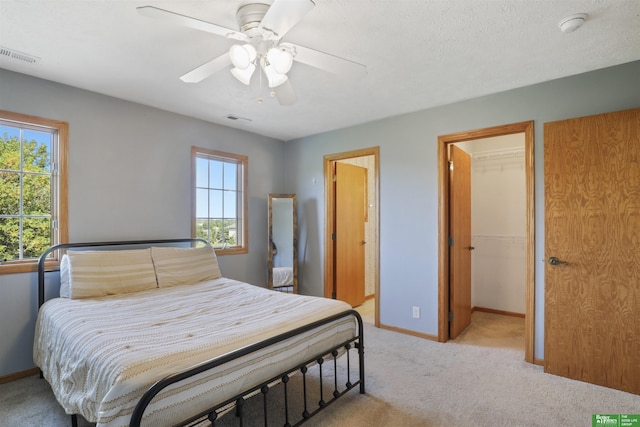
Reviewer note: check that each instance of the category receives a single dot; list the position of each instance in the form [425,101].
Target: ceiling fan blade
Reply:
[205,70]
[283,15]
[285,93]
[327,62]
[187,21]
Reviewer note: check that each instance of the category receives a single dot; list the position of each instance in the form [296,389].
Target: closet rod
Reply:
[498,154]
[503,238]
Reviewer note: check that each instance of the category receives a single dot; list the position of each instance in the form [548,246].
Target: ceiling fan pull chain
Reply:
[260,99]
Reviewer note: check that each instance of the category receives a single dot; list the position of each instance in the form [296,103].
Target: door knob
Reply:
[555,261]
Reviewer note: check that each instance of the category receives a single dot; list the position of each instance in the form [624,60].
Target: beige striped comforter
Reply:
[100,355]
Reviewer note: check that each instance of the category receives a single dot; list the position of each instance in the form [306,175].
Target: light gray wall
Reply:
[409,183]
[130,178]
[112,141]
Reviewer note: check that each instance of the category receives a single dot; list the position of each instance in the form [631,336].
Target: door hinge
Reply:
[335,178]
[450,240]
[333,236]
[333,295]
[451,316]
[450,166]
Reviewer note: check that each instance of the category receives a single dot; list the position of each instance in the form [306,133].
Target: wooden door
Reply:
[592,228]
[460,241]
[350,200]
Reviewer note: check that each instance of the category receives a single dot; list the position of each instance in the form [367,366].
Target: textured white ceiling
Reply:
[419,54]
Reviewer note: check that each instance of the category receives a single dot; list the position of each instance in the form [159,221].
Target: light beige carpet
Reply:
[480,379]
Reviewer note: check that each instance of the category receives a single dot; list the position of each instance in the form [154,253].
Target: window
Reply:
[220,199]
[33,189]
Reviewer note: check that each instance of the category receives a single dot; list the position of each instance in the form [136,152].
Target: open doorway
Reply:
[447,257]
[337,260]
[497,245]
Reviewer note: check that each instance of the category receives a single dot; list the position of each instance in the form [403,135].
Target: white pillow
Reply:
[101,273]
[65,280]
[184,266]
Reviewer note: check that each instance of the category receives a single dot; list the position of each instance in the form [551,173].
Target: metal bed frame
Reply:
[211,414]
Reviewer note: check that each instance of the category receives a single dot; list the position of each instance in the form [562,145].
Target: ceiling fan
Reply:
[260,46]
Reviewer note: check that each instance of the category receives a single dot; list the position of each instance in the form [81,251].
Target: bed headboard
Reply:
[103,245]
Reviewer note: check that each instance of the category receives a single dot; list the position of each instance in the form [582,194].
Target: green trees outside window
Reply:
[25,192]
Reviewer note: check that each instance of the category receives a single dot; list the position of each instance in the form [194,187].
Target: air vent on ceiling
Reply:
[20,56]
[234,117]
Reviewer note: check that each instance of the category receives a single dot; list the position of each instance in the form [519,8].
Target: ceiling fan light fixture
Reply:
[244,75]
[242,56]
[280,59]
[274,78]
[261,27]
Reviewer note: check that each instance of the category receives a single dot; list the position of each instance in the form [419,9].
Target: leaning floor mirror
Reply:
[283,253]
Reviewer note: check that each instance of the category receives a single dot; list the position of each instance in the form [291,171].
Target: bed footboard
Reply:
[290,419]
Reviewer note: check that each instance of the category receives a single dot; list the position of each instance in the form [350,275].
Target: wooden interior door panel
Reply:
[592,228]
[350,200]
[460,242]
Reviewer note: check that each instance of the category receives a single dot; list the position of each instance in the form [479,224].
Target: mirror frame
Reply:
[295,240]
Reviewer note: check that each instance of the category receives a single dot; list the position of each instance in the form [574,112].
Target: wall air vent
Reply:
[20,56]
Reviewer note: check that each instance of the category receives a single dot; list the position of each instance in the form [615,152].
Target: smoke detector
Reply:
[573,22]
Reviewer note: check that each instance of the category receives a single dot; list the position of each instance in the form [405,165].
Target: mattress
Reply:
[100,355]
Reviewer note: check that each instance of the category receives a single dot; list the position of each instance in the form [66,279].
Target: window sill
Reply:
[233,251]
[31,266]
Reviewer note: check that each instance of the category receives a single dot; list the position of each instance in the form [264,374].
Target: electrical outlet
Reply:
[416,312]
